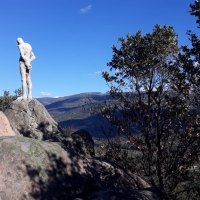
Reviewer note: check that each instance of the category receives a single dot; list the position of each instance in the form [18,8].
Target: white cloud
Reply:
[86,9]
[97,72]
[57,96]
[45,93]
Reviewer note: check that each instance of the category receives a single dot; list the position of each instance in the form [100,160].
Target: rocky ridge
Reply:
[31,119]
[40,162]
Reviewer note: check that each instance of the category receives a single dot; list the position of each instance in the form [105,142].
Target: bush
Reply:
[6,99]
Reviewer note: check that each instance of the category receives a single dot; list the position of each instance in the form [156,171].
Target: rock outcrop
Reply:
[35,169]
[31,119]
[81,142]
[5,128]
[124,194]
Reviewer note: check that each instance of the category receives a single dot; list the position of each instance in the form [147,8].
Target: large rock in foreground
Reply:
[34,169]
[124,194]
[31,119]
[5,128]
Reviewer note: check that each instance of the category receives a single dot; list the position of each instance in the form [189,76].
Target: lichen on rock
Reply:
[34,169]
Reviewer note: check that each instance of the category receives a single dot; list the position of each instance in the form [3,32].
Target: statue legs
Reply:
[26,81]
[29,83]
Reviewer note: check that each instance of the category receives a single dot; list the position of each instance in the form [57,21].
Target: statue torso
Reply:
[26,50]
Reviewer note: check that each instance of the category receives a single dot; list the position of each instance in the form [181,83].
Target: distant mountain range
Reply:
[75,111]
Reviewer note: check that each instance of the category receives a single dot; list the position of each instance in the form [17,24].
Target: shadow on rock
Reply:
[69,176]
[43,131]
[124,194]
[60,180]
[81,142]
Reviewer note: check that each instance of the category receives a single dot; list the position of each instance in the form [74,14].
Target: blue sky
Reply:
[72,39]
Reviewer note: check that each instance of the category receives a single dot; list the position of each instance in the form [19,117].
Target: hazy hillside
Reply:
[48,100]
[74,110]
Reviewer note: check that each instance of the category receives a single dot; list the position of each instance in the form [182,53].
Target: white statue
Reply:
[26,57]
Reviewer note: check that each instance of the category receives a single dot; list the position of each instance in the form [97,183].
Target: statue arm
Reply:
[32,57]
[21,52]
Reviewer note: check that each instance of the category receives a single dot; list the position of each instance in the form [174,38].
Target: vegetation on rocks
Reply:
[6,99]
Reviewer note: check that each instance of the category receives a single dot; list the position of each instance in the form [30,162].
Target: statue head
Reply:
[20,40]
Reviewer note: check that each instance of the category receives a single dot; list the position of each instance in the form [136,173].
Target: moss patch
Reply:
[37,154]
